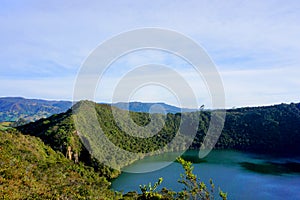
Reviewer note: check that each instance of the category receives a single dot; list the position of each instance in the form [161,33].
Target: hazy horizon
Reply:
[70,100]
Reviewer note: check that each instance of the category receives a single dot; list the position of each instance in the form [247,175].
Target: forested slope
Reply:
[58,131]
[29,169]
[270,130]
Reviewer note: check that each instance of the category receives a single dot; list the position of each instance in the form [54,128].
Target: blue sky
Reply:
[255,46]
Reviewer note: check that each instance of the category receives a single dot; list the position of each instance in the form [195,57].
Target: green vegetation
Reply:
[261,130]
[258,129]
[58,131]
[194,188]
[31,170]
[5,125]
[268,130]
[265,130]
[149,192]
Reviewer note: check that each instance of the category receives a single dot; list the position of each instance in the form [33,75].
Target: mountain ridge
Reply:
[15,108]
[151,107]
[258,129]
[28,110]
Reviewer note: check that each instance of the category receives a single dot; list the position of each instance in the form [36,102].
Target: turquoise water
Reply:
[241,175]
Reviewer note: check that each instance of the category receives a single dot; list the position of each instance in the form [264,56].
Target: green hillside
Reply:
[23,110]
[269,130]
[58,131]
[29,169]
[37,165]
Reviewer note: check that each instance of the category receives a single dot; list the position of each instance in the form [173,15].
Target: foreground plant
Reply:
[148,192]
[194,188]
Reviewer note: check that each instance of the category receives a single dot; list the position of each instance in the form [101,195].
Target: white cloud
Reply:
[261,87]
[46,88]
[255,44]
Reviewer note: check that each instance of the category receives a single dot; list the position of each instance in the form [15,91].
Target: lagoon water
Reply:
[241,175]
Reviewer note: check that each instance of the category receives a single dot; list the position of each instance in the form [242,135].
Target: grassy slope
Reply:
[5,125]
[29,169]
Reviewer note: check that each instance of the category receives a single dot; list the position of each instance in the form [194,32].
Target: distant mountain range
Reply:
[15,108]
[151,107]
